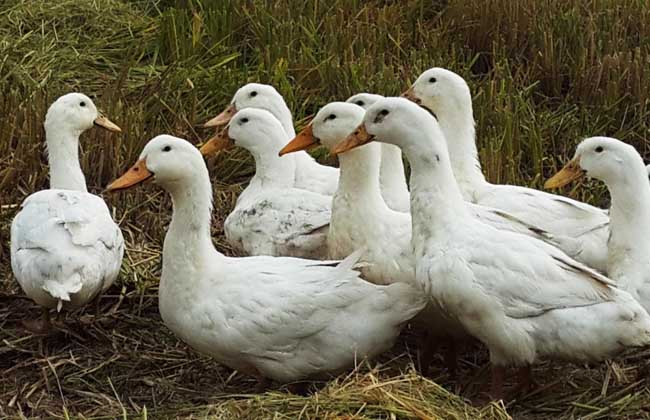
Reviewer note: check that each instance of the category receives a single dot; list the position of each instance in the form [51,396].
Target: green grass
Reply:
[544,74]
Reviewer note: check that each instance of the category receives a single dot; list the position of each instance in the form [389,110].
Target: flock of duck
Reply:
[340,260]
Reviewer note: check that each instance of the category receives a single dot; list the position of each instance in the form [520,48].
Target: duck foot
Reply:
[450,357]
[263,384]
[496,388]
[525,381]
[40,326]
[428,347]
[298,388]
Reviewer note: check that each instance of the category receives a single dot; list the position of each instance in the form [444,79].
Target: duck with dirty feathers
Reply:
[523,298]
[621,168]
[65,247]
[269,317]
[580,230]
[271,216]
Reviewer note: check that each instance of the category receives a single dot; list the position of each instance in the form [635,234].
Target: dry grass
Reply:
[545,73]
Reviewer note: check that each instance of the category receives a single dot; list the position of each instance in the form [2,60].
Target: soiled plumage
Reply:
[271,216]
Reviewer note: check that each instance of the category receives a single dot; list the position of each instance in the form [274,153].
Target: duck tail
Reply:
[62,289]
[352,261]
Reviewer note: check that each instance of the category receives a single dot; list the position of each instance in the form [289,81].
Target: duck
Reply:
[583,228]
[392,177]
[268,317]
[524,299]
[66,250]
[361,219]
[621,168]
[271,216]
[309,174]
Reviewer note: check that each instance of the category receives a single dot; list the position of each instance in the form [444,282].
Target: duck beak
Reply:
[223,118]
[359,137]
[570,172]
[410,95]
[137,174]
[303,141]
[104,122]
[220,141]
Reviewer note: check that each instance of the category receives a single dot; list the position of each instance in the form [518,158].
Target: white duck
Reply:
[362,220]
[272,217]
[309,174]
[621,167]
[521,297]
[584,228]
[280,318]
[392,176]
[65,247]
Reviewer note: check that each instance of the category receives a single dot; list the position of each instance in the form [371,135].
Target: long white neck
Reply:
[273,171]
[629,215]
[188,245]
[391,173]
[436,200]
[283,114]
[359,179]
[63,157]
[457,124]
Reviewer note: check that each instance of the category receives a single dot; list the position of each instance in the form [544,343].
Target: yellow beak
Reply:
[303,141]
[104,122]
[137,174]
[223,118]
[220,141]
[359,137]
[570,172]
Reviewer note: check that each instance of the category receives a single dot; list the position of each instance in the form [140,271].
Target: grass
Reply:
[544,74]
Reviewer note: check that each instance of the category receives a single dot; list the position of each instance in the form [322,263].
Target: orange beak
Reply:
[223,118]
[359,137]
[104,122]
[220,141]
[303,141]
[570,172]
[410,95]
[137,174]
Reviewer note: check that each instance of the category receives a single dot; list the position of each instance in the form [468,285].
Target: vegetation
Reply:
[544,74]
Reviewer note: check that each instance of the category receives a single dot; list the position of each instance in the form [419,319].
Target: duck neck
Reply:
[436,200]
[359,179]
[457,124]
[629,214]
[188,245]
[391,174]
[63,159]
[283,114]
[273,171]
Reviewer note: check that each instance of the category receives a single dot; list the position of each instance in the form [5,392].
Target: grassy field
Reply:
[544,74]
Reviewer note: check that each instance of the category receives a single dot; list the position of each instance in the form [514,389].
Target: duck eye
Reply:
[243,120]
[167,148]
[383,112]
[599,149]
[331,117]
[360,103]
[432,80]
[82,103]
[253,94]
